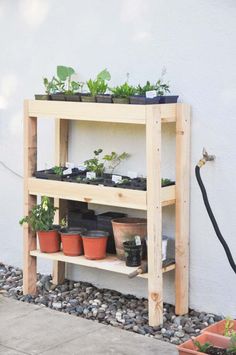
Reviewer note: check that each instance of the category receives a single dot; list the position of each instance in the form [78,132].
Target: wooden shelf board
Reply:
[111,263]
[83,111]
[103,195]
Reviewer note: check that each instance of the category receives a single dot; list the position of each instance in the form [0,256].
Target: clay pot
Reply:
[95,244]
[189,348]
[126,229]
[49,241]
[219,327]
[72,244]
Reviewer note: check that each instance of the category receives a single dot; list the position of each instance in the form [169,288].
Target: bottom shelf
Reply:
[111,263]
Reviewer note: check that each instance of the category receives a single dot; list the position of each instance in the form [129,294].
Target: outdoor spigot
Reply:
[206,157]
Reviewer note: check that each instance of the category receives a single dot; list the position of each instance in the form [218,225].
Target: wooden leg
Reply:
[154,215]
[182,208]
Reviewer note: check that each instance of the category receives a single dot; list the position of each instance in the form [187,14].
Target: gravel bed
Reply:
[105,306]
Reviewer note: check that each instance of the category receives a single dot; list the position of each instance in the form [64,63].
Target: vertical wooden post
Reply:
[61,156]
[30,163]
[182,208]
[154,214]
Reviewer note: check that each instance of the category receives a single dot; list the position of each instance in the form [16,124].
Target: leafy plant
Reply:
[141,90]
[58,170]
[115,159]
[165,181]
[99,85]
[50,85]
[232,346]
[229,325]
[202,347]
[41,216]
[124,90]
[94,164]
[161,87]
[64,82]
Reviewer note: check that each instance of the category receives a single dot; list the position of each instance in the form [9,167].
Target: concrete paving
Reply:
[29,329]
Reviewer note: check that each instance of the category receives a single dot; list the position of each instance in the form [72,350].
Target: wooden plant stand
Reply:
[152,200]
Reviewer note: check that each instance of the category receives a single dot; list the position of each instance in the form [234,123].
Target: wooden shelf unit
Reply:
[152,200]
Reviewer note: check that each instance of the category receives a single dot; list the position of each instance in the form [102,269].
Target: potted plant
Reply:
[114,160]
[95,167]
[50,88]
[122,93]
[95,243]
[40,220]
[58,173]
[209,344]
[225,328]
[66,87]
[97,88]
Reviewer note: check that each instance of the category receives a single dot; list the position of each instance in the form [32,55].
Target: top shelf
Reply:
[98,112]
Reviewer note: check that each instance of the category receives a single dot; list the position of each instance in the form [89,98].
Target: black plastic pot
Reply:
[42,97]
[88,98]
[143,100]
[133,253]
[120,100]
[168,99]
[104,223]
[105,98]
[74,97]
[58,97]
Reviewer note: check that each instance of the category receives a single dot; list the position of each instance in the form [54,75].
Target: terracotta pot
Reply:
[49,241]
[125,229]
[219,328]
[95,244]
[72,244]
[189,348]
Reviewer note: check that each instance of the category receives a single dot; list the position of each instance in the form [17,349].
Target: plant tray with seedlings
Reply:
[58,173]
[64,86]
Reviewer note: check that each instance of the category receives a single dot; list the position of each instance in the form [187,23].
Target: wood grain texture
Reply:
[30,162]
[154,215]
[182,208]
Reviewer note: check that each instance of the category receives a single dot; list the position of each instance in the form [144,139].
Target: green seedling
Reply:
[94,164]
[202,347]
[229,325]
[114,160]
[58,170]
[99,85]
[123,91]
[64,82]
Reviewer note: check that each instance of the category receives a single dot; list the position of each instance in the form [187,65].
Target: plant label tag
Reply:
[132,174]
[70,165]
[90,175]
[67,171]
[116,178]
[81,167]
[137,240]
[150,94]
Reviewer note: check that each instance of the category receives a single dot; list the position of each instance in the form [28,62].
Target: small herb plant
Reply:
[165,181]
[229,325]
[141,90]
[202,347]
[160,87]
[50,85]
[115,159]
[99,85]
[232,346]
[94,164]
[58,170]
[64,82]
[41,216]
[123,91]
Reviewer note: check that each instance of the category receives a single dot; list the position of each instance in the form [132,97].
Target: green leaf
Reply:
[104,75]
[64,72]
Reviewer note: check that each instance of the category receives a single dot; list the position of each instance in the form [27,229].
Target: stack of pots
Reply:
[125,229]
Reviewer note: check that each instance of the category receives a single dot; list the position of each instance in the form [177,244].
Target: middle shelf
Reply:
[103,195]
[110,263]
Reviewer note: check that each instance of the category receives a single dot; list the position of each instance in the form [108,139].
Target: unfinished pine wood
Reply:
[30,161]
[103,195]
[111,263]
[182,208]
[154,215]
[98,112]
[61,157]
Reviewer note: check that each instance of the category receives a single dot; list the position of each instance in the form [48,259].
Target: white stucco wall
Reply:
[195,41]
